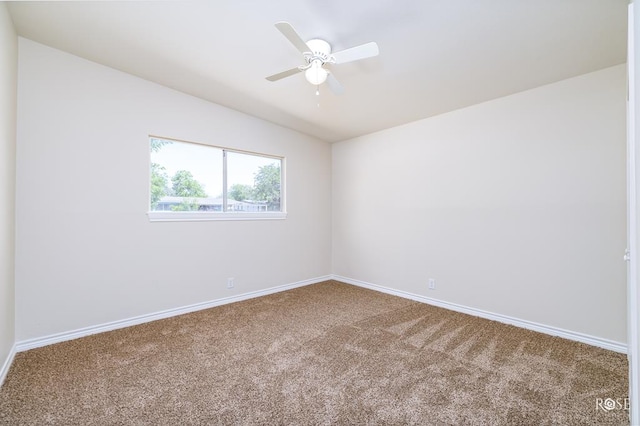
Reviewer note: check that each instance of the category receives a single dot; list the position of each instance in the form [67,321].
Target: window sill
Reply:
[163,216]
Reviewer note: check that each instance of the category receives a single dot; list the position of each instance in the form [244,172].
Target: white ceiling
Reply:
[435,55]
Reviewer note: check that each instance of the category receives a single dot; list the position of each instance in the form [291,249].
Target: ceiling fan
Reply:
[316,54]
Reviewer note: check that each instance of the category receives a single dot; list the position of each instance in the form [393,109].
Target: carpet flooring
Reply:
[328,353]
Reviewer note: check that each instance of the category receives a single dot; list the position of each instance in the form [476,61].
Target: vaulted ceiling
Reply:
[435,55]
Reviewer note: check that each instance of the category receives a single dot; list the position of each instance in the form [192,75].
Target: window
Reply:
[190,181]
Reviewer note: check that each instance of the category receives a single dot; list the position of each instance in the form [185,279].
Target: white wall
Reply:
[515,206]
[86,254]
[8,95]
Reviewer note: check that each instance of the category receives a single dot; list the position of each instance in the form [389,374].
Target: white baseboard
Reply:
[114,325]
[7,364]
[37,342]
[529,325]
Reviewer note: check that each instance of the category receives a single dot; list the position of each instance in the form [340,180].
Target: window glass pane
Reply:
[253,183]
[185,176]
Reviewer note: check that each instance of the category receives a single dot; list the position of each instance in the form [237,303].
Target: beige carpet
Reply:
[328,353]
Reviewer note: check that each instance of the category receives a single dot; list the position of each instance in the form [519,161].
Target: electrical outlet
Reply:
[230,282]
[432,284]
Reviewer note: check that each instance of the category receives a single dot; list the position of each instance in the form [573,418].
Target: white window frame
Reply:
[198,216]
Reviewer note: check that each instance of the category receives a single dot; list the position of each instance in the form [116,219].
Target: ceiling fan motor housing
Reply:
[320,49]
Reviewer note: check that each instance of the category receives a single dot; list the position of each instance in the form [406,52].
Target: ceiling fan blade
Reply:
[284,74]
[334,85]
[366,50]
[287,30]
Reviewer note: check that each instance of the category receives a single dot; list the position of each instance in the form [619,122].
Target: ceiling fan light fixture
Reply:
[316,74]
